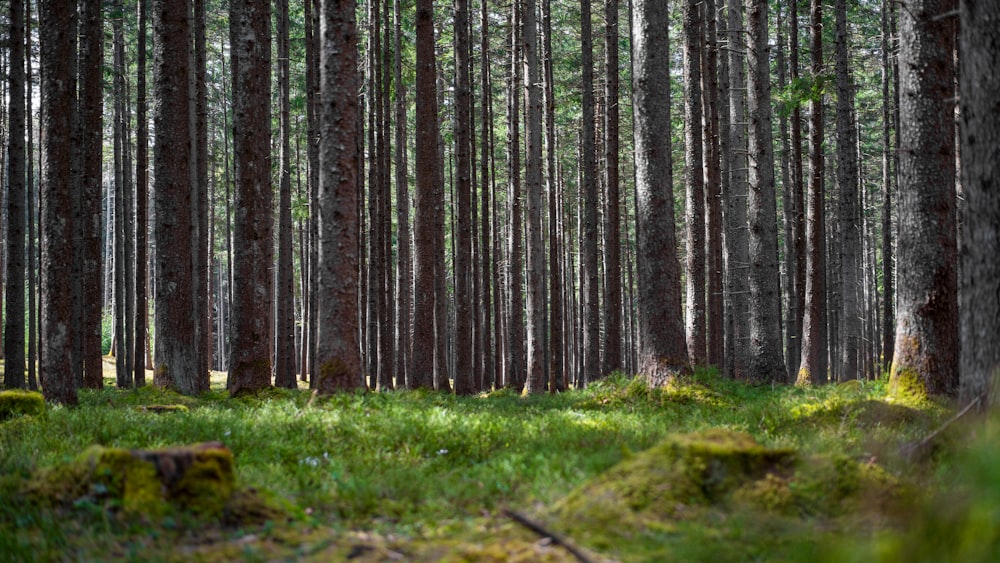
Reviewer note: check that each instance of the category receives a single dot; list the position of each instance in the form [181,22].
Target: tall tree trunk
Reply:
[694,187]
[423,333]
[536,328]
[141,203]
[386,333]
[122,368]
[798,232]
[557,373]
[714,331]
[926,348]
[404,267]
[515,279]
[663,352]
[176,353]
[737,236]
[847,176]
[13,334]
[250,41]
[488,273]
[612,251]
[32,210]
[312,153]
[767,363]
[888,177]
[464,371]
[338,355]
[589,264]
[57,24]
[813,366]
[284,357]
[200,196]
[788,298]
[980,143]
[88,221]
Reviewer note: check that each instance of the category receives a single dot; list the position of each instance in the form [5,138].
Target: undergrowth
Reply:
[426,475]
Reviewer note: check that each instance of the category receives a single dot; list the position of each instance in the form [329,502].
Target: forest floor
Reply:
[706,470]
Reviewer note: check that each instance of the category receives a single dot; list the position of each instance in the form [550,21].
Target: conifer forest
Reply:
[344,269]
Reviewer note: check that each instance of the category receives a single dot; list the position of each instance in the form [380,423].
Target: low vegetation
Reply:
[709,469]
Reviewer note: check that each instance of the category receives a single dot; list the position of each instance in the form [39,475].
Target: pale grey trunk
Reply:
[694,187]
[535,376]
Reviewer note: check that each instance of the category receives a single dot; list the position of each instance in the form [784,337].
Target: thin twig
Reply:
[551,536]
[911,449]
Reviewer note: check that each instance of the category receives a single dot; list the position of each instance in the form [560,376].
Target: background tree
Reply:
[464,373]
[737,241]
[13,334]
[250,37]
[694,187]
[57,24]
[284,357]
[589,264]
[765,354]
[612,249]
[141,202]
[980,244]
[536,328]
[663,353]
[926,348]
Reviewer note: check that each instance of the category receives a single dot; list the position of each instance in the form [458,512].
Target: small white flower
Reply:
[442,451]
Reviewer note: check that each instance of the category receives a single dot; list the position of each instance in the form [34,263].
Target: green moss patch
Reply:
[196,479]
[158,409]
[17,402]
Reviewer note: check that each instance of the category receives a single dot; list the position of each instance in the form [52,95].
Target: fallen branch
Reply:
[556,539]
[918,449]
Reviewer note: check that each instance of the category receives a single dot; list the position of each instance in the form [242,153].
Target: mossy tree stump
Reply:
[16,402]
[197,479]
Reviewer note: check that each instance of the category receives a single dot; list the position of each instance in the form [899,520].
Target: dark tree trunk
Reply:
[423,333]
[927,344]
[141,204]
[88,222]
[488,273]
[123,369]
[980,142]
[589,260]
[813,366]
[536,329]
[798,232]
[694,187]
[714,332]
[200,196]
[404,267]
[612,249]
[464,371]
[788,299]
[57,25]
[284,357]
[32,211]
[850,230]
[663,353]
[767,363]
[888,177]
[515,278]
[338,355]
[557,373]
[13,334]
[250,38]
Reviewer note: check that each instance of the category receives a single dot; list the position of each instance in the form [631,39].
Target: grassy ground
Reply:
[426,476]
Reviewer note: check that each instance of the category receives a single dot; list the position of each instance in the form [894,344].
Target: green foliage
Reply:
[706,469]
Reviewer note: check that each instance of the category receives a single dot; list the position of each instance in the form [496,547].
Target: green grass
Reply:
[426,474]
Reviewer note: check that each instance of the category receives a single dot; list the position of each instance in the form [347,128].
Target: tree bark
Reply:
[926,348]
[464,371]
[767,363]
[980,144]
[888,177]
[13,334]
[33,208]
[612,249]
[252,236]
[589,261]
[57,25]
[694,187]
[284,357]
[141,203]
[663,353]
[557,373]
[798,232]
[338,355]
[123,370]
[404,267]
[714,331]
[813,366]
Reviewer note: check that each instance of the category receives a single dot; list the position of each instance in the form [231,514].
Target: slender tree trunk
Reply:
[926,348]
[788,215]
[88,216]
[888,177]
[980,139]
[252,238]
[798,232]
[464,371]
[13,334]
[694,187]
[32,210]
[141,203]
[663,354]
[122,368]
[613,360]
[200,196]
[515,279]
[57,24]
[557,372]
[386,334]
[589,264]
[850,231]
[404,268]
[813,366]
[489,345]
[767,363]
[714,331]
[312,153]
[284,367]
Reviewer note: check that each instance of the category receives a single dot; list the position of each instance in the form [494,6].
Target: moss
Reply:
[163,408]
[250,507]
[207,484]
[17,402]
[906,385]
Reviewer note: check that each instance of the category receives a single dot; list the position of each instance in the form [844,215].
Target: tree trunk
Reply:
[284,357]
[57,24]
[694,187]
[612,250]
[589,262]
[980,142]
[141,204]
[338,354]
[32,210]
[488,273]
[767,363]
[464,370]
[250,39]
[813,366]
[926,348]
[714,331]
[888,177]
[516,329]
[788,299]
[13,334]
[200,197]
[798,232]
[122,368]
[404,267]
[557,373]
[663,353]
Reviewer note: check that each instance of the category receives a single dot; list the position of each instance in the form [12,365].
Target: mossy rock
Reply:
[197,479]
[673,480]
[17,402]
[159,409]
